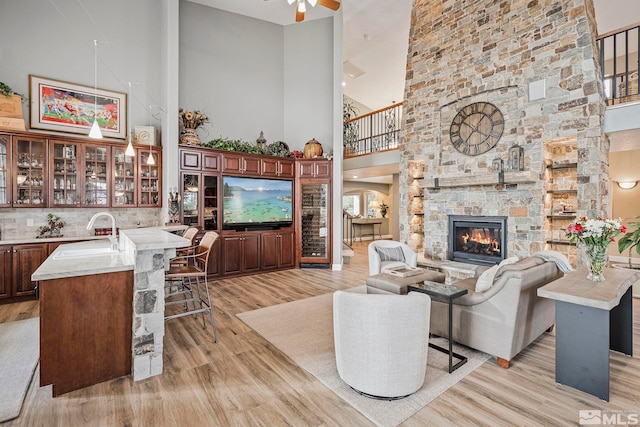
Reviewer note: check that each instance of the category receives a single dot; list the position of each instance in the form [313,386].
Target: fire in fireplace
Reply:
[477,239]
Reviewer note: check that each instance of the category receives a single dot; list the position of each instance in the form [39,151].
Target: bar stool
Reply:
[189,234]
[184,282]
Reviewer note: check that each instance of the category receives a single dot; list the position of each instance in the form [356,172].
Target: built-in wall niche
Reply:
[561,194]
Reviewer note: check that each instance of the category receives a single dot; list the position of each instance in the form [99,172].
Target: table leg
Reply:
[582,348]
[462,359]
[621,328]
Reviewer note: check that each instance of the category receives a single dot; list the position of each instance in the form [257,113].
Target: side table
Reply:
[445,293]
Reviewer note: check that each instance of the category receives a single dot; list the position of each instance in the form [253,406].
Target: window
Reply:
[351,204]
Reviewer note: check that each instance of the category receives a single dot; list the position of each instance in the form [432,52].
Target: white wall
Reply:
[54,39]
[232,68]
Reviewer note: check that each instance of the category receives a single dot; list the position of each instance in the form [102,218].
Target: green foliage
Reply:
[275,149]
[631,239]
[8,92]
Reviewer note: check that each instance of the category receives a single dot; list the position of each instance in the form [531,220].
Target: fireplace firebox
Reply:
[477,239]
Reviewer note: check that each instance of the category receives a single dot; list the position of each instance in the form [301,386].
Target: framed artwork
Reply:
[68,107]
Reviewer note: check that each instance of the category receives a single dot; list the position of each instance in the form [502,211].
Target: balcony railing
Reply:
[373,132]
[619,64]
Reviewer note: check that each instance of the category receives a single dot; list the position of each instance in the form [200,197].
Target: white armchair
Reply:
[381,342]
[393,254]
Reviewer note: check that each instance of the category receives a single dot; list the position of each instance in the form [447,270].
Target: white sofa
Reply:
[381,342]
[398,252]
[507,317]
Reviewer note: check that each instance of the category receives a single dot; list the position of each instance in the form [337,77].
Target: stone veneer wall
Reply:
[466,51]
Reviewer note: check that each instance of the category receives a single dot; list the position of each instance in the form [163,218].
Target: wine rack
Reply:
[314,221]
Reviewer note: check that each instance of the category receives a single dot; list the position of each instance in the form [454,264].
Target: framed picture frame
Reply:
[68,107]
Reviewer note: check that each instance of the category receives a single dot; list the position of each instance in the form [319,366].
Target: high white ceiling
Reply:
[375,38]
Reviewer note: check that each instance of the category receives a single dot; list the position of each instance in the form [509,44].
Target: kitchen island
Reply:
[102,309]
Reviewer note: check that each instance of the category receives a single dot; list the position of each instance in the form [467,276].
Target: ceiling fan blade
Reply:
[299,16]
[312,2]
[331,4]
[291,1]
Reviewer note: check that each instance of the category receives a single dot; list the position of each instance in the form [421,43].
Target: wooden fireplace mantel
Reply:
[492,178]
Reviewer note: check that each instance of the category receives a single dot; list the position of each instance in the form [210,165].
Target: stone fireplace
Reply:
[477,239]
[537,63]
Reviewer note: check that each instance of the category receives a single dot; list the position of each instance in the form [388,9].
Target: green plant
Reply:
[8,92]
[383,209]
[349,130]
[631,239]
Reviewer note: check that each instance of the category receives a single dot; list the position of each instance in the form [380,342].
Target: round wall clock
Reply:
[476,128]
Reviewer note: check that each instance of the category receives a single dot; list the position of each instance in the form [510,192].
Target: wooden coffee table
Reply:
[444,293]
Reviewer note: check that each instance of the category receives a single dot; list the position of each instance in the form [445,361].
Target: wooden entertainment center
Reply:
[248,248]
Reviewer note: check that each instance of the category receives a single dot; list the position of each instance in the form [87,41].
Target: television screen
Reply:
[253,202]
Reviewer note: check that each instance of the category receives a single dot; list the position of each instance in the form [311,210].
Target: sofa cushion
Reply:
[390,254]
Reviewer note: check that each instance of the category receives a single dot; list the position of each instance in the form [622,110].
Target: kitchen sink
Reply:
[83,252]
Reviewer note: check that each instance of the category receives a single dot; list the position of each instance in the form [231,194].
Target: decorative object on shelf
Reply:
[476,128]
[58,105]
[11,109]
[312,149]
[496,165]
[631,239]
[279,149]
[594,235]
[174,206]
[516,158]
[383,209]
[261,141]
[297,154]
[191,121]
[53,228]
[145,135]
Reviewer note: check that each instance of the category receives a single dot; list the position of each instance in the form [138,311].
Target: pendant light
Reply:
[150,160]
[130,151]
[95,127]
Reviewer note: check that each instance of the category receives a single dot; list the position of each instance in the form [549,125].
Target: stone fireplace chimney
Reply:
[536,62]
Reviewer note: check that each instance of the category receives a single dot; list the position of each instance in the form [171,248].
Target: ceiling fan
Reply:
[301,7]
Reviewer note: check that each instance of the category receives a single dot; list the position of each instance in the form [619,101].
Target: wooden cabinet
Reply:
[6,177]
[29,163]
[64,188]
[19,262]
[125,179]
[278,167]
[241,164]
[314,168]
[149,178]
[241,253]
[278,250]
[210,162]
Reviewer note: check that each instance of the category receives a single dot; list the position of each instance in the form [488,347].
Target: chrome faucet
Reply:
[113,238]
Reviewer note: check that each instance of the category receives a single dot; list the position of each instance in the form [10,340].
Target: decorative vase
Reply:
[189,136]
[597,258]
[312,149]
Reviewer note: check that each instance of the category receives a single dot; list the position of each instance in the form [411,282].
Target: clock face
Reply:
[476,128]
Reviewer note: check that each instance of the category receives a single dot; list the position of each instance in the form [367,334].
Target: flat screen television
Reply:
[256,203]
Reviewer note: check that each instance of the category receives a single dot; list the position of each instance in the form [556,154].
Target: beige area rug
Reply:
[19,355]
[303,330]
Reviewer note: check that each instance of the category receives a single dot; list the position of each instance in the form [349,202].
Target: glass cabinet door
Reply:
[5,172]
[314,229]
[29,161]
[149,177]
[190,207]
[210,202]
[64,188]
[124,173]
[96,175]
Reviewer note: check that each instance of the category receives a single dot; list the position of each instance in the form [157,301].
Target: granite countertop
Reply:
[93,256]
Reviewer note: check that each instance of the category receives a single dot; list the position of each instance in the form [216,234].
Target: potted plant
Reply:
[349,130]
[629,241]
[383,209]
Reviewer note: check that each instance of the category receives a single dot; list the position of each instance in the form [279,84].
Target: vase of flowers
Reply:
[190,121]
[594,235]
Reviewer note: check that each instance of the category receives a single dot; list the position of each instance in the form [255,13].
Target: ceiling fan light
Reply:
[312,2]
[301,7]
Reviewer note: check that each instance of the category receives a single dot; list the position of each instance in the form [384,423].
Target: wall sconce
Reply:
[627,185]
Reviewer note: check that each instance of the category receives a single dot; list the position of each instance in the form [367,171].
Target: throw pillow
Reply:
[390,254]
[485,280]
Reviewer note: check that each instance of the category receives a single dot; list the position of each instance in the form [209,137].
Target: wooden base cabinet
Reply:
[241,253]
[278,250]
[18,263]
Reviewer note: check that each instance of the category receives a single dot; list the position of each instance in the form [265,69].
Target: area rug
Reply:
[19,355]
[303,330]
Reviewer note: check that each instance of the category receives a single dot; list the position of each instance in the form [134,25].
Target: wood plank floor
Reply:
[244,381]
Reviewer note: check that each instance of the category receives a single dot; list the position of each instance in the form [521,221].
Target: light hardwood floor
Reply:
[244,381]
